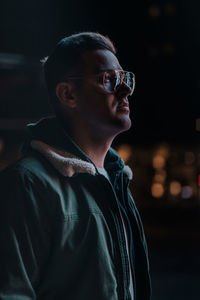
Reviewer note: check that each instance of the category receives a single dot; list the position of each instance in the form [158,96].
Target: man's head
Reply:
[82,75]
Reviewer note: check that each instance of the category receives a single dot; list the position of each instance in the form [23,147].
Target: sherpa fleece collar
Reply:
[66,163]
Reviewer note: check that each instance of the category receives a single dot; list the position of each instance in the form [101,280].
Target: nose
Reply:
[123,90]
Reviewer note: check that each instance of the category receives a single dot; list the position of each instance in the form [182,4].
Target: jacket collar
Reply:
[66,163]
[49,138]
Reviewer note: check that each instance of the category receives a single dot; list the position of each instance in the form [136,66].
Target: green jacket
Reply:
[60,226]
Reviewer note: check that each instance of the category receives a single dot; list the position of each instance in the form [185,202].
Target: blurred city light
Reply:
[158,161]
[175,188]
[163,150]
[125,151]
[161,155]
[186,192]
[157,190]
[160,176]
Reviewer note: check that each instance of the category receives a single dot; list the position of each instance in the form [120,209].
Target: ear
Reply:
[65,93]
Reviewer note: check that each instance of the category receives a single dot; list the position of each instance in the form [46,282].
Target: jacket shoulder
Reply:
[29,166]
[29,185]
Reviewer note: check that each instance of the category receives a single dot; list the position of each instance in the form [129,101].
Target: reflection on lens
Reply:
[115,78]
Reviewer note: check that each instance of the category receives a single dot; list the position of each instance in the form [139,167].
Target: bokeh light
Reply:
[186,192]
[175,188]
[160,176]
[125,151]
[157,190]
[158,162]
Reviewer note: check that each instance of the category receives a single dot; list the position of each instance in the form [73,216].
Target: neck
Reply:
[94,144]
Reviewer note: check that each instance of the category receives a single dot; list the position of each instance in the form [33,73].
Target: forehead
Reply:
[95,61]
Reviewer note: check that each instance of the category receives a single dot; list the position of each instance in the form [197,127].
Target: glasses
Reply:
[113,79]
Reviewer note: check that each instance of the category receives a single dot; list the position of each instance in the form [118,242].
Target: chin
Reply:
[127,125]
[124,124]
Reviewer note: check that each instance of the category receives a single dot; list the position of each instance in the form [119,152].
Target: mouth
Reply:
[123,106]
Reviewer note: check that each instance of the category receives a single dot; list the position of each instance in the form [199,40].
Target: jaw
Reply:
[116,126]
[104,124]
[124,123]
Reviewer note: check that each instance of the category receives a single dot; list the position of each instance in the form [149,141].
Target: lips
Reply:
[123,106]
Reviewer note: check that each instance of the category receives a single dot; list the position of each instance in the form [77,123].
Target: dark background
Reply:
[159,41]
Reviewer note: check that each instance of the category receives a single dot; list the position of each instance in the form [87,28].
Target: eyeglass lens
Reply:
[125,77]
[112,80]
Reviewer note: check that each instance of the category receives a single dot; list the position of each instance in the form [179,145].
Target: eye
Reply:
[109,76]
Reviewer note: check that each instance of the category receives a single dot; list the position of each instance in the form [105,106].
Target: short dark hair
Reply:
[67,55]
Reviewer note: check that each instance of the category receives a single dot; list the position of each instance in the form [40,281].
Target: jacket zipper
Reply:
[145,253]
[124,256]
[132,251]
[121,243]
[132,256]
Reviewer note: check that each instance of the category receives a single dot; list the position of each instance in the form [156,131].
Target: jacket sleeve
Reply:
[24,238]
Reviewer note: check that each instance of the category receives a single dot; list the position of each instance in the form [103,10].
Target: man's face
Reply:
[104,111]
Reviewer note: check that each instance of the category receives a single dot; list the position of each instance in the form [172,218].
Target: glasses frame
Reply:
[119,79]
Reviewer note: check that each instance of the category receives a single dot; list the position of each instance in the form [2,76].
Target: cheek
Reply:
[103,104]
[97,101]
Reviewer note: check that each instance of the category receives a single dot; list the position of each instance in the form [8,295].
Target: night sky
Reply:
[158,40]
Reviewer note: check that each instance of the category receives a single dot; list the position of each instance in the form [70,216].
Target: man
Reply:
[69,226]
